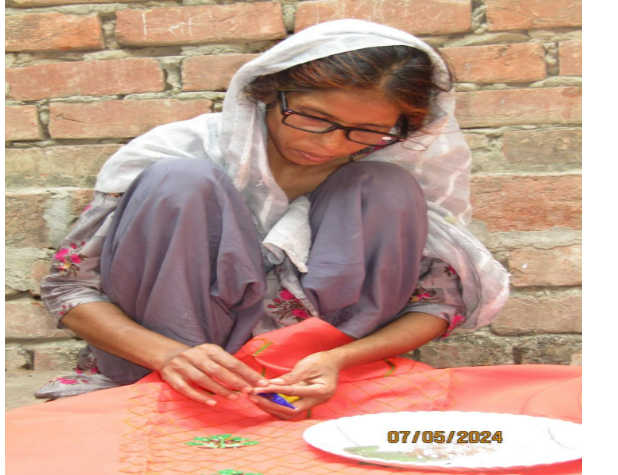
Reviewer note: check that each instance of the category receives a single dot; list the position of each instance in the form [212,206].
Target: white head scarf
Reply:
[439,159]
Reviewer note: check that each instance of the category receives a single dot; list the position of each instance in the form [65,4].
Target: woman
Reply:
[317,156]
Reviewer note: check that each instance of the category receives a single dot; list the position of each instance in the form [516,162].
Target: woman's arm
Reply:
[192,371]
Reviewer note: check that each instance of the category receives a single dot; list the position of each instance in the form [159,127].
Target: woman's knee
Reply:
[181,178]
[382,180]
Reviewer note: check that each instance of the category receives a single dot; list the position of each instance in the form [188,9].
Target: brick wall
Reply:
[85,77]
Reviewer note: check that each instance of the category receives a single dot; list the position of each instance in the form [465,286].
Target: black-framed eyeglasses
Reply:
[315,125]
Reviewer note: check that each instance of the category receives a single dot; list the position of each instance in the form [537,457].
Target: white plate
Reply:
[526,440]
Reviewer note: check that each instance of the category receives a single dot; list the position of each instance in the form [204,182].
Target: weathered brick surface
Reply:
[53,31]
[92,78]
[527,203]
[426,17]
[556,105]
[201,24]
[24,269]
[527,147]
[523,315]
[211,73]
[570,58]
[466,350]
[15,358]
[498,63]
[22,123]
[548,350]
[119,118]
[533,14]
[25,224]
[56,166]
[546,267]
[49,3]
[29,319]
[80,199]
[576,358]
[61,355]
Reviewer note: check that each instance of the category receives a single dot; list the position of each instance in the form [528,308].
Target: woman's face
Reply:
[363,109]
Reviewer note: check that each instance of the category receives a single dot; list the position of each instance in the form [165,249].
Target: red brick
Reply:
[56,166]
[212,73]
[554,105]
[119,118]
[543,147]
[53,31]
[533,14]
[527,203]
[546,267]
[29,319]
[25,224]
[532,315]
[520,62]
[47,3]
[24,269]
[91,78]
[426,17]
[570,57]
[22,123]
[201,24]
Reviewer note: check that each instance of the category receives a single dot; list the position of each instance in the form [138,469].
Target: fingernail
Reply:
[233,397]
[277,381]
[263,382]
[211,402]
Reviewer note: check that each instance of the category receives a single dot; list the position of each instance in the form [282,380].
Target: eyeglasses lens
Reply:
[310,124]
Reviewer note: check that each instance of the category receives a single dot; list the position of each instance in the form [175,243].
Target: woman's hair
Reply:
[404,75]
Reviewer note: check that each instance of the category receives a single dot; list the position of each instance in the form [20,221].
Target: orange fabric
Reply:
[143,428]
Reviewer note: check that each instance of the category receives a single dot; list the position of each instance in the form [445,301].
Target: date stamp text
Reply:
[445,437]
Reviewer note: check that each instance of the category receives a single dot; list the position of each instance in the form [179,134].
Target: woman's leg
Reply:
[369,227]
[182,258]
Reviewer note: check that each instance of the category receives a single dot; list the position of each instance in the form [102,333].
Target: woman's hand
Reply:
[313,379]
[204,370]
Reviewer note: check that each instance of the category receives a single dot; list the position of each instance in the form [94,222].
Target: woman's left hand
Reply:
[313,379]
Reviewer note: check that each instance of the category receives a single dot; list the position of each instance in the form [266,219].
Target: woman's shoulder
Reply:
[194,138]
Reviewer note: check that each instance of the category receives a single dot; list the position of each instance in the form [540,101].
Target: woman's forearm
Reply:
[107,327]
[407,333]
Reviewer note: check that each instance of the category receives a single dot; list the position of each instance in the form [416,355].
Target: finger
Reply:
[314,390]
[239,370]
[273,408]
[203,381]
[214,370]
[181,387]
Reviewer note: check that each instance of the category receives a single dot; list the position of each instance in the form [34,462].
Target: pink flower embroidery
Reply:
[68,258]
[421,294]
[67,381]
[299,313]
[285,294]
[449,270]
[87,208]
[457,320]
[286,306]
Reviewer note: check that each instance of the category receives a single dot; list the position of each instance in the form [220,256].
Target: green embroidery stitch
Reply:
[221,441]
[393,367]
[262,348]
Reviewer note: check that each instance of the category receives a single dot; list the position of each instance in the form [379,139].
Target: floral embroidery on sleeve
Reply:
[457,320]
[288,304]
[448,270]
[423,295]
[68,258]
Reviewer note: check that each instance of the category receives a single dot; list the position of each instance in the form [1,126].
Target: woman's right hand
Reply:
[199,371]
